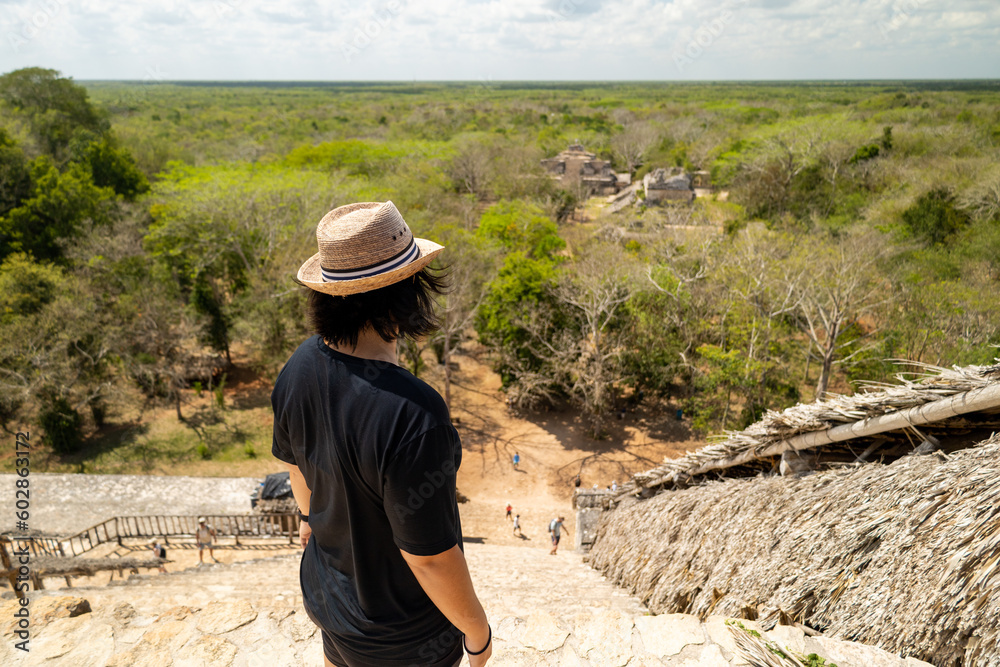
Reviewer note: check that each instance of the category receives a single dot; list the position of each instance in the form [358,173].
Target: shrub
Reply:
[62,425]
[934,218]
[865,153]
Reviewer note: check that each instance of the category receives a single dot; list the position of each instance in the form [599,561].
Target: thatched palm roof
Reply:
[905,556]
[933,397]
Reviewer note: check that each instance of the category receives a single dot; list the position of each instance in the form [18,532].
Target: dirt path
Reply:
[553,446]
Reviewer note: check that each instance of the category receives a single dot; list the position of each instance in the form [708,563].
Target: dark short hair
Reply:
[401,310]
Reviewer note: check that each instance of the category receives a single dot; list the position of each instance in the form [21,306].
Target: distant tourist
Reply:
[517,459]
[205,537]
[517,525]
[383,574]
[509,510]
[555,530]
[576,481]
[614,485]
[159,552]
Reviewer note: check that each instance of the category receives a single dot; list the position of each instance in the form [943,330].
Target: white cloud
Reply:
[503,39]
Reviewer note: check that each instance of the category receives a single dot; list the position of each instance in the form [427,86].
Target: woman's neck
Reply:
[370,346]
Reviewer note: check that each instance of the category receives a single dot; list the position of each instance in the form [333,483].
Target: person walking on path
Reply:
[509,510]
[517,459]
[373,455]
[555,530]
[517,526]
[160,553]
[205,536]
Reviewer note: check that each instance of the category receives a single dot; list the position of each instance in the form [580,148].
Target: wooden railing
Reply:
[115,529]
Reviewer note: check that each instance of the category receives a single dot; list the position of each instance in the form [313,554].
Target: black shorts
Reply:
[333,655]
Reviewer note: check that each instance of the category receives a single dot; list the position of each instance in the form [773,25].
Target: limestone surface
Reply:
[544,610]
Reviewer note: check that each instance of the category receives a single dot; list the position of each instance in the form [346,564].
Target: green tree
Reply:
[206,301]
[26,286]
[521,283]
[113,167]
[55,211]
[15,174]
[57,109]
[62,424]
[521,227]
[934,218]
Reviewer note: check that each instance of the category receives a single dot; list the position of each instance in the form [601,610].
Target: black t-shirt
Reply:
[378,451]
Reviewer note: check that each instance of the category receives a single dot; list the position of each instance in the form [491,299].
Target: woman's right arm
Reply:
[302,495]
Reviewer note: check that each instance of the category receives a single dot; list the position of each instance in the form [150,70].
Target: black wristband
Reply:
[303,517]
[488,642]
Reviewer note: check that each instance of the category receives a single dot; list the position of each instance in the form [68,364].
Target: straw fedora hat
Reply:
[363,247]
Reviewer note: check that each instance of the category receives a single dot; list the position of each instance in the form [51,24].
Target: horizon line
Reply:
[488,82]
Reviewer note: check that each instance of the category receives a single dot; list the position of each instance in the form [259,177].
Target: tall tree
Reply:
[836,284]
[472,265]
[632,144]
[58,110]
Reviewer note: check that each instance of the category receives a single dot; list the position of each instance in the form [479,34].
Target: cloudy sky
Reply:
[497,40]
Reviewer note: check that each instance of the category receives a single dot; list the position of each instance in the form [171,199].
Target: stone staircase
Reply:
[545,610]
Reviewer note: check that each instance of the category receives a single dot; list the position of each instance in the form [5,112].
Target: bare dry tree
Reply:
[680,271]
[633,143]
[982,200]
[472,166]
[832,286]
[766,182]
[582,360]
[758,274]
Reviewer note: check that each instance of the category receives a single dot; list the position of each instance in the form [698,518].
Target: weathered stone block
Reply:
[225,616]
[605,639]
[668,634]
[719,633]
[206,650]
[710,656]
[850,653]
[789,637]
[586,525]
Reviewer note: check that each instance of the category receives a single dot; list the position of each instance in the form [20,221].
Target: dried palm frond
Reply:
[758,651]
[734,448]
[904,556]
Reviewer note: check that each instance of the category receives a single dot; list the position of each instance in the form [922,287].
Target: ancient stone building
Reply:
[668,185]
[575,168]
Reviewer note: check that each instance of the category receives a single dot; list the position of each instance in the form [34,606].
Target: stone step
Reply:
[545,610]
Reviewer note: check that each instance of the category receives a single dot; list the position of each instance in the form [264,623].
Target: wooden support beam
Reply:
[935,411]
